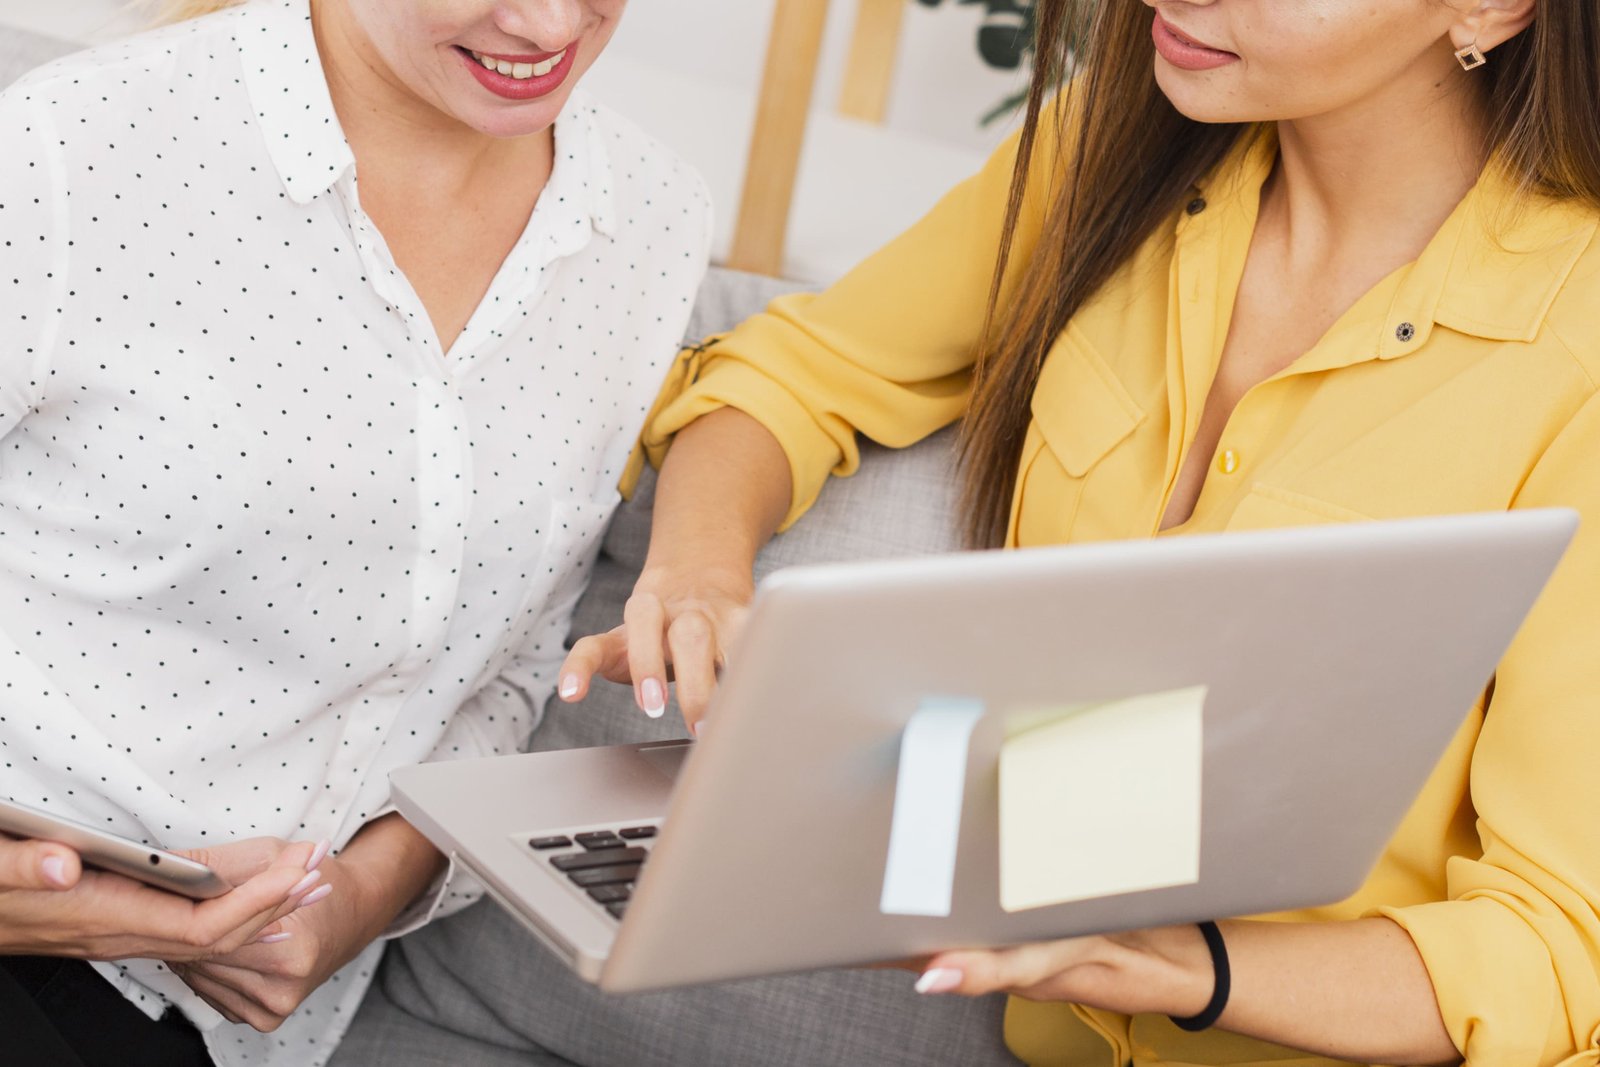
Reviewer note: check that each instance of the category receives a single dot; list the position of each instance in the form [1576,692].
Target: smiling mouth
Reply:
[1190,41]
[519,71]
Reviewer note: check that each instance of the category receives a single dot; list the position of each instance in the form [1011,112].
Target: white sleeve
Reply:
[497,720]
[33,252]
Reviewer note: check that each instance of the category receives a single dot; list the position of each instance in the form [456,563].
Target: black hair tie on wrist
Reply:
[1224,983]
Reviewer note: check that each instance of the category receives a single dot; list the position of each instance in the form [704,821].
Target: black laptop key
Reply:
[609,894]
[599,839]
[577,861]
[635,833]
[542,843]
[593,876]
[616,910]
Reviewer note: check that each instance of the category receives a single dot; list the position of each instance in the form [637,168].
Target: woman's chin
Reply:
[503,120]
[1202,99]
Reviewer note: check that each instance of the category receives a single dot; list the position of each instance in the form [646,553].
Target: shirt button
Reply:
[1405,331]
[1228,462]
[1197,205]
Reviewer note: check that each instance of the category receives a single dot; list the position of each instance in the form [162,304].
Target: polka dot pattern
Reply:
[261,541]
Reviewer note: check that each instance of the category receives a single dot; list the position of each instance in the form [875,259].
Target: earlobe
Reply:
[1488,25]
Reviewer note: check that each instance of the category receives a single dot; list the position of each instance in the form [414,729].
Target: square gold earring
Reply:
[1471,57]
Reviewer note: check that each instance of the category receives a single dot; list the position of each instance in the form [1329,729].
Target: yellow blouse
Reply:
[1465,381]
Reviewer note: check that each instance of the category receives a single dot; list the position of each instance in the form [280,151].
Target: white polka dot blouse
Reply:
[261,541]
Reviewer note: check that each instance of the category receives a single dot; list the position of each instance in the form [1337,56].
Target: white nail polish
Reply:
[569,686]
[322,892]
[311,879]
[938,980]
[655,700]
[55,870]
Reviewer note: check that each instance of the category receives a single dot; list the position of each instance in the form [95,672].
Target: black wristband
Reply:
[1224,983]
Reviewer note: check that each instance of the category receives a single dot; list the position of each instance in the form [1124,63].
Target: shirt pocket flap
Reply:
[1080,407]
[1269,507]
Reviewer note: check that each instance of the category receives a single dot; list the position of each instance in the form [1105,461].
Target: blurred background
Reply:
[914,84]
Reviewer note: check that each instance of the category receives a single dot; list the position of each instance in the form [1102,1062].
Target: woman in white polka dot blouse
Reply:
[326,330]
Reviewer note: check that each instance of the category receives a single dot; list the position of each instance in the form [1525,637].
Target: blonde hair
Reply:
[165,11]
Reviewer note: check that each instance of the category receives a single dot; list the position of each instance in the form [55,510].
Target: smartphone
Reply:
[109,852]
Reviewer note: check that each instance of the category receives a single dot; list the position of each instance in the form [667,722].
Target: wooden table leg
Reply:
[793,51]
[869,71]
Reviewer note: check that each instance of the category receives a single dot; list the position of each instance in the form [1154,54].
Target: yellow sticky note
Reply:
[1100,799]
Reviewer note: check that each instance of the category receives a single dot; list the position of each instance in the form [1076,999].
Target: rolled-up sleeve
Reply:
[887,351]
[1514,953]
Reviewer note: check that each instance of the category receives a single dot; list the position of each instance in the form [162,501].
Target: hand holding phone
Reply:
[111,852]
[38,865]
[102,915]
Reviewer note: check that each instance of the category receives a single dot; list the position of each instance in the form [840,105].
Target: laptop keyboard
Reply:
[601,863]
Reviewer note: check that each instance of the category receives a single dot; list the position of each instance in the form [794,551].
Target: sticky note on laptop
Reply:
[1100,799]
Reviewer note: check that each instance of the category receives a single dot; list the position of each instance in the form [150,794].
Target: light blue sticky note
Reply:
[921,870]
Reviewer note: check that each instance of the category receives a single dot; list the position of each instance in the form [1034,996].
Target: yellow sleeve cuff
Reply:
[1497,990]
[691,392]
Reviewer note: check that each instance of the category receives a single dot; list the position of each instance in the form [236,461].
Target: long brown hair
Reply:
[1134,159]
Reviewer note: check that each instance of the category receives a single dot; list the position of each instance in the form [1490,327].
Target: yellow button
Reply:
[1228,462]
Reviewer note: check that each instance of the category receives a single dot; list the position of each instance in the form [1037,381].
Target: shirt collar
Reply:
[582,177]
[1492,270]
[1511,253]
[284,80]
[289,93]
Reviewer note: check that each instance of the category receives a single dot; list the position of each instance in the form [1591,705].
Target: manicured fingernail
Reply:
[274,939]
[569,686]
[55,870]
[655,698]
[700,728]
[938,980]
[319,893]
[318,854]
[311,879]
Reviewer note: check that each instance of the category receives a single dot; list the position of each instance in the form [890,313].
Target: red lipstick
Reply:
[530,88]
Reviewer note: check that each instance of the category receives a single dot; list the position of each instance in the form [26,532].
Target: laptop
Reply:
[1338,661]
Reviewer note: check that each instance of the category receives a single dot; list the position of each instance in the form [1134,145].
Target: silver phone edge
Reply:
[106,851]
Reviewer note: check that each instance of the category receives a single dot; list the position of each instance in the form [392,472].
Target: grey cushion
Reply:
[901,502]
[21,51]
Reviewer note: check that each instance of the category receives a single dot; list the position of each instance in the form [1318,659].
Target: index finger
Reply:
[646,622]
[603,654]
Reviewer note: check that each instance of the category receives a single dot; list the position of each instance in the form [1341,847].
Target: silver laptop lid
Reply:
[1339,662]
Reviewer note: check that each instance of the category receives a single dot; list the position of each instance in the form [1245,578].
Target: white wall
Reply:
[941,86]
[74,20]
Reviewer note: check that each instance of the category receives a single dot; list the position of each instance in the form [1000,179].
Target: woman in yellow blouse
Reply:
[1321,262]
